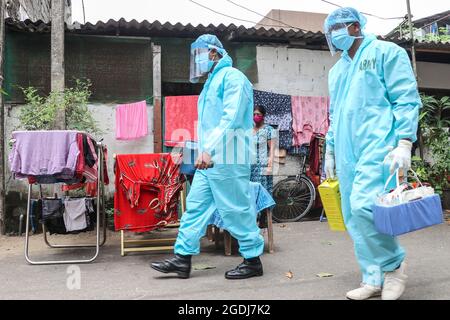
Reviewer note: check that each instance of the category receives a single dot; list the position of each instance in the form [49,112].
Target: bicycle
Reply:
[294,196]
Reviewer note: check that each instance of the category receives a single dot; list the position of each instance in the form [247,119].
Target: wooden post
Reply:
[210,233]
[269,229]
[2,123]
[413,40]
[57,56]
[157,100]
[227,239]
[216,237]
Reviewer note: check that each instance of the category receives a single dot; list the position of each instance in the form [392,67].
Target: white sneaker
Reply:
[394,283]
[365,292]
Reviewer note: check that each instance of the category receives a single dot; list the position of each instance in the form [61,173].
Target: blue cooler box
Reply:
[408,217]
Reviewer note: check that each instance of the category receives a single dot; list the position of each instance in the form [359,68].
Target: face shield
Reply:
[200,63]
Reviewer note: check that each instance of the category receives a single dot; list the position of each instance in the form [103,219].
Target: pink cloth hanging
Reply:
[181,116]
[131,121]
[309,115]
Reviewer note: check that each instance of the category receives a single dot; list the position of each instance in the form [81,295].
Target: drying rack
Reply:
[100,207]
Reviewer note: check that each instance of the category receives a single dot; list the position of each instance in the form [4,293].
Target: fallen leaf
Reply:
[329,243]
[289,274]
[202,267]
[324,275]
[283,226]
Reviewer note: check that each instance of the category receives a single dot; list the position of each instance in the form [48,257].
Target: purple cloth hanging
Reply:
[39,153]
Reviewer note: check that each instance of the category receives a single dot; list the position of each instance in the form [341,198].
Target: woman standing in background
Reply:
[264,137]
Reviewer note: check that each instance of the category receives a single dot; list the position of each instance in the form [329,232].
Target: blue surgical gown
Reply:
[225,121]
[374,102]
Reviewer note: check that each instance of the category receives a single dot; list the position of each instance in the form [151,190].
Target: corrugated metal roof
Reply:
[157,29]
[228,32]
[422,44]
[442,16]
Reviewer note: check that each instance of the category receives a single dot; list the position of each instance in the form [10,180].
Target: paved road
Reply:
[305,249]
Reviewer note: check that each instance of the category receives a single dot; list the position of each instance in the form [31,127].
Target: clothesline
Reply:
[181,114]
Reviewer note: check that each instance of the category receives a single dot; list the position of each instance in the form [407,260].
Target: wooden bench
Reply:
[213,234]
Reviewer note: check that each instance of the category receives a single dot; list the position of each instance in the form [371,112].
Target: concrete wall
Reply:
[310,21]
[296,72]
[433,75]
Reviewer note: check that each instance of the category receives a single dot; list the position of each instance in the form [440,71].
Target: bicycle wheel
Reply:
[294,198]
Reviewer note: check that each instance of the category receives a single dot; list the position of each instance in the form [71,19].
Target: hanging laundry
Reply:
[87,156]
[52,179]
[81,161]
[53,216]
[92,213]
[147,191]
[316,148]
[75,214]
[85,174]
[90,170]
[90,150]
[131,121]
[59,157]
[105,167]
[315,153]
[285,139]
[310,115]
[181,115]
[302,150]
[35,214]
[91,189]
[278,108]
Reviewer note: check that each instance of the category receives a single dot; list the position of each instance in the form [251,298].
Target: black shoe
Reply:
[247,269]
[181,265]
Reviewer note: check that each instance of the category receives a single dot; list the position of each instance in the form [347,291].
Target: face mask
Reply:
[258,118]
[342,40]
[204,63]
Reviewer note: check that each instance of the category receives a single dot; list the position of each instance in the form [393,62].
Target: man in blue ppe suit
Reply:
[225,121]
[374,105]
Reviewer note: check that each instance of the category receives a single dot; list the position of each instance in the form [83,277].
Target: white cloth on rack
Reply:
[75,214]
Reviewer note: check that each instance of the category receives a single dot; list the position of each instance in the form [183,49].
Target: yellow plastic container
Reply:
[331,199]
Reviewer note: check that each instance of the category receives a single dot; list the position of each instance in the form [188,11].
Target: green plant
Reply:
[435,134]
[432,112]
[441,36]
[40,112]
[421,168]
[440,153]
[110,217]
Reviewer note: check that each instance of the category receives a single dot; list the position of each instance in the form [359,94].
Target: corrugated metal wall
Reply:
[120,68]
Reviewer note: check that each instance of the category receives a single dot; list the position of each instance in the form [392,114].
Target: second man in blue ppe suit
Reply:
[374,105]
[222,181]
